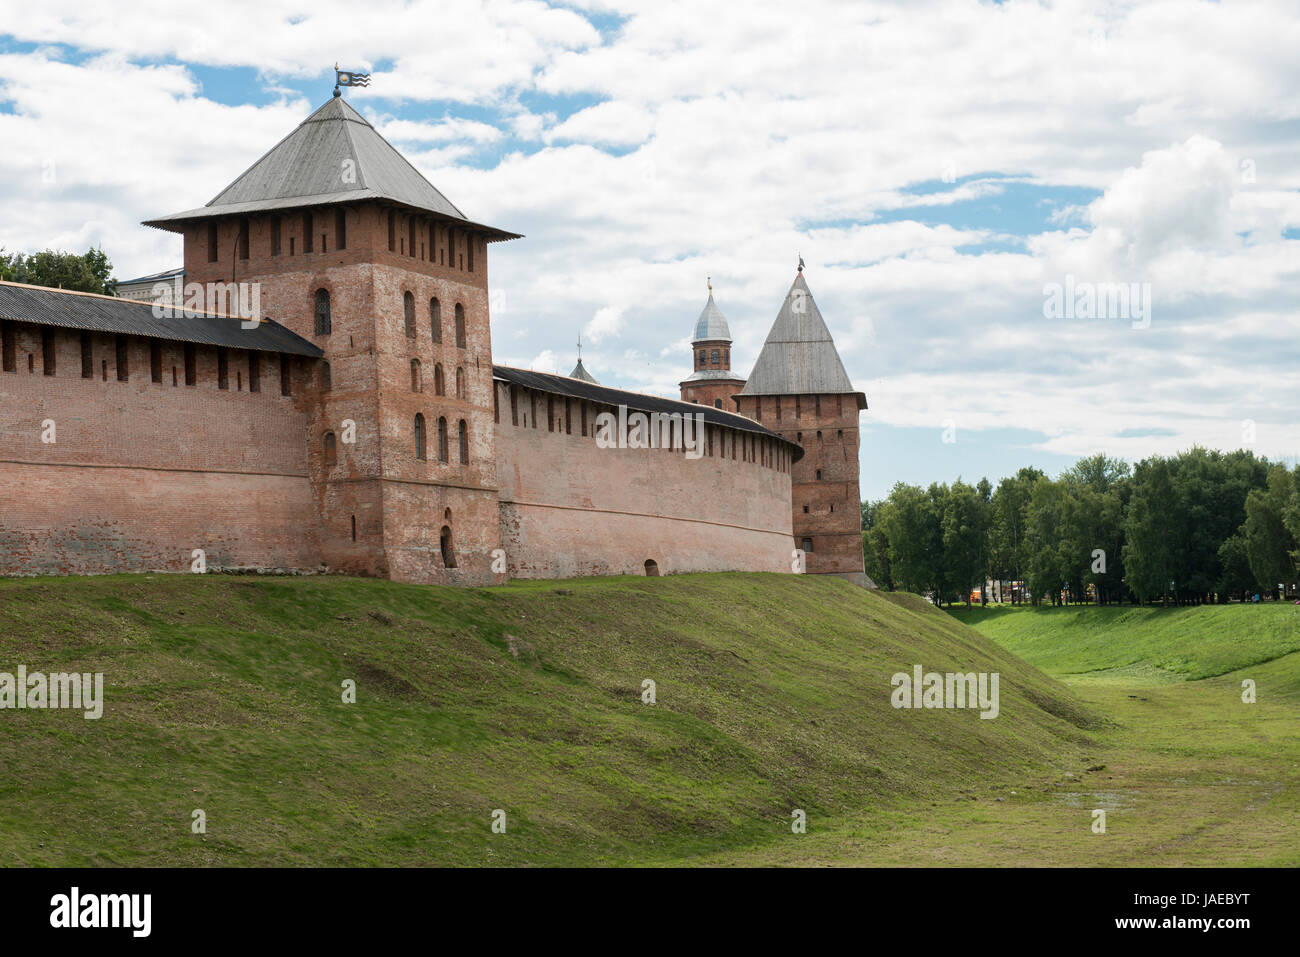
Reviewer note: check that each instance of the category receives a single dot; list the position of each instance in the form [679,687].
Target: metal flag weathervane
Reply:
[347,78]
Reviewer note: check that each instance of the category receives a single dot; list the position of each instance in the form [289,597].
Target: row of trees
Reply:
[1200,526]
[88,272]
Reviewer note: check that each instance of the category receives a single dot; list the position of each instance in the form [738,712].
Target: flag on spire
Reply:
[348,78]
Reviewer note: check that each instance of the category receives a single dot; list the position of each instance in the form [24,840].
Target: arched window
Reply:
[702,359]
[419,435]
[323,323]
[408,313]
[417,385]
[463,430]
[460,384]
[442,439]
[435,320]
[439,386]
[392,231]
[331,450]
[326,377]
[717,403]
[715,357]
[460,326]
[444,542]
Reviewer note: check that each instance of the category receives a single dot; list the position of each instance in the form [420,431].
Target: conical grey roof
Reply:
[711,325]
[580,372]
[333,156]
[799,356]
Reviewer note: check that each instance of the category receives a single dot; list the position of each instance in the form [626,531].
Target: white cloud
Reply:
[720,139]
[608,321]
[545,361]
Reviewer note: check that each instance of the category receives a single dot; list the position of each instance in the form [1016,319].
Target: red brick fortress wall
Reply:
[570,508]
[141,473]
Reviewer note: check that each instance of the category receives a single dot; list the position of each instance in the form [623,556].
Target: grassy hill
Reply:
[1155,644]
[224,694]
[1195,775]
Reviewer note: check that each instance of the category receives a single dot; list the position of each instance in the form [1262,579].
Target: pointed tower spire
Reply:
[799,356]
[580,371]
[800,390]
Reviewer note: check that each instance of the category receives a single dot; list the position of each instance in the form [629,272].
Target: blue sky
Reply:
[939,165]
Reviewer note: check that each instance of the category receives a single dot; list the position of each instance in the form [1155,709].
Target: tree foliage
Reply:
[89,272]
[1199,526]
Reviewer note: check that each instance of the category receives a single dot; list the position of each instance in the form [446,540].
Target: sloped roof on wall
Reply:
[333,156]
[79,310]
[799,356]
[580,389]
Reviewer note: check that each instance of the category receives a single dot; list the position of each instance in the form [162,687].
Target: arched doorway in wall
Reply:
[444,541]
[651,568]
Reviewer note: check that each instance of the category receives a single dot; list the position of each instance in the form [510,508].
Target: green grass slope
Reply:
[1193,775]
[1171,644]
[224,694]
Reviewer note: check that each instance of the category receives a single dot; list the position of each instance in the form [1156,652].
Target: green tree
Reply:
[1052,557]
[1291,515]
[912,524]
[965,522]
[875,544]
[1096,490]
[1008,545]
[1150,530]
[1270,546]
[1235,576]
[88,272]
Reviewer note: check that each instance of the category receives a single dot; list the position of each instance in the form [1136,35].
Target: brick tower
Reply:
[352,248]
[712,383]
[799,390]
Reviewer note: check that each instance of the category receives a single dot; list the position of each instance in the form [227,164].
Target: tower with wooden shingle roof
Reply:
[799,389]
[353,249]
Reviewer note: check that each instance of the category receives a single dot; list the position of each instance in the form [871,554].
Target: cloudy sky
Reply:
[942,167]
